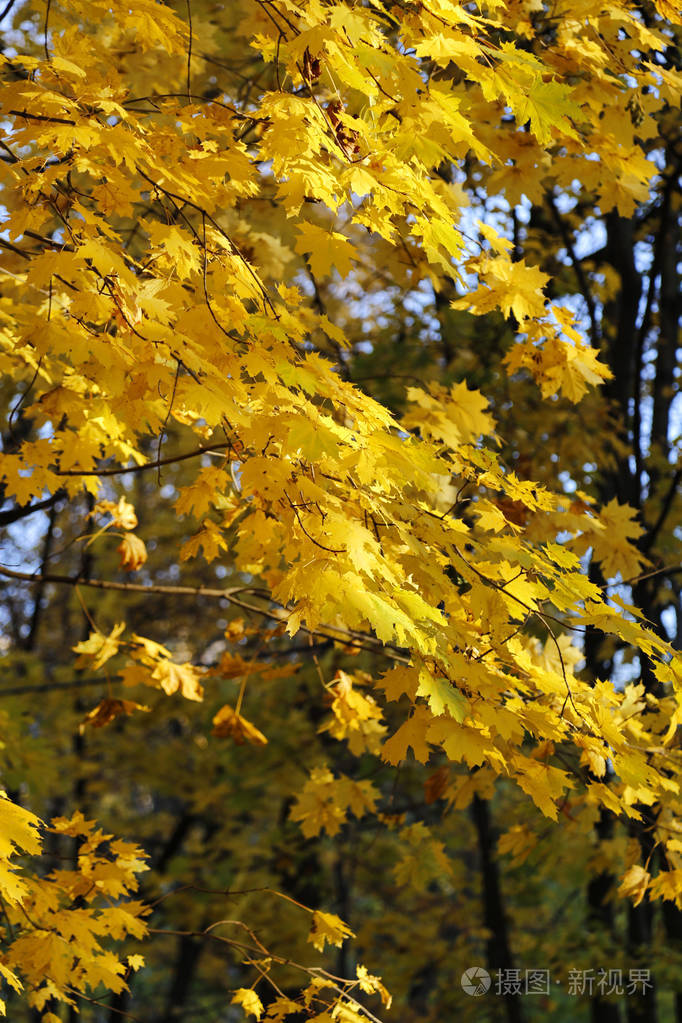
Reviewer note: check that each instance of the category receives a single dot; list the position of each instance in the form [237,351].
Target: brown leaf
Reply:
[228,724]
[107,710]
[436,784]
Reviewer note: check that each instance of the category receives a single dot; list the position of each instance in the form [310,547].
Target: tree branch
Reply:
[24,510]
[578,270]
[350,637]
[122,470]
[8,7]
[651,534]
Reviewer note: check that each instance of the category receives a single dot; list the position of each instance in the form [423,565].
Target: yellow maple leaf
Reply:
[316,807]
[133,552]
[411,734]
[98,647]
[634,883]
[518,841]
[402,680]
[544,783]
[371,984]
[325,249]
[510,286]
[569,366]
[18,833]
[442,695]
[210,537]
[328,928]
[182,678]
[667,885]
[548,106]
[249,1001]
[356,717]
[122,513]
[422,858]
[10,977]
[613,544]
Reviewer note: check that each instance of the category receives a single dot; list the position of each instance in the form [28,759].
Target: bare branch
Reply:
[349,637]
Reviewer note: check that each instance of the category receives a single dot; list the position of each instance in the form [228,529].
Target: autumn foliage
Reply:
[312,419]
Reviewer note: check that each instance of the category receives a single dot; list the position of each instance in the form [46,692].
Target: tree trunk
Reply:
[499,957]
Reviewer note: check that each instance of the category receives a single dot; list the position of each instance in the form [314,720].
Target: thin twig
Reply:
[165,423]
[200,209]
[41,117]
[330,550]
[24,396]
[122,470]
[204,280]
[45,29]
[189,52]
[653,532]
[8,7]
[103,1005]
[335,633]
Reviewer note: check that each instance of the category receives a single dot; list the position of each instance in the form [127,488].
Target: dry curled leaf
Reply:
[133,552]
[228,724]
[108,710]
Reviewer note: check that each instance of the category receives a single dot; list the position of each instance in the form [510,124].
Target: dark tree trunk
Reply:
[498,949]
[189,951]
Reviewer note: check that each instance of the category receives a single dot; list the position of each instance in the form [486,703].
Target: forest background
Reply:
[340,472]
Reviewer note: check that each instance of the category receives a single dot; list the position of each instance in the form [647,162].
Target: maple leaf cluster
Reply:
[192,265]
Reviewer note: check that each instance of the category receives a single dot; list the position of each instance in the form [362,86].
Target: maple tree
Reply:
[289,292]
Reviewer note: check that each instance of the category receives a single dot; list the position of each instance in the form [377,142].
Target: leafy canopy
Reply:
[167,233]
